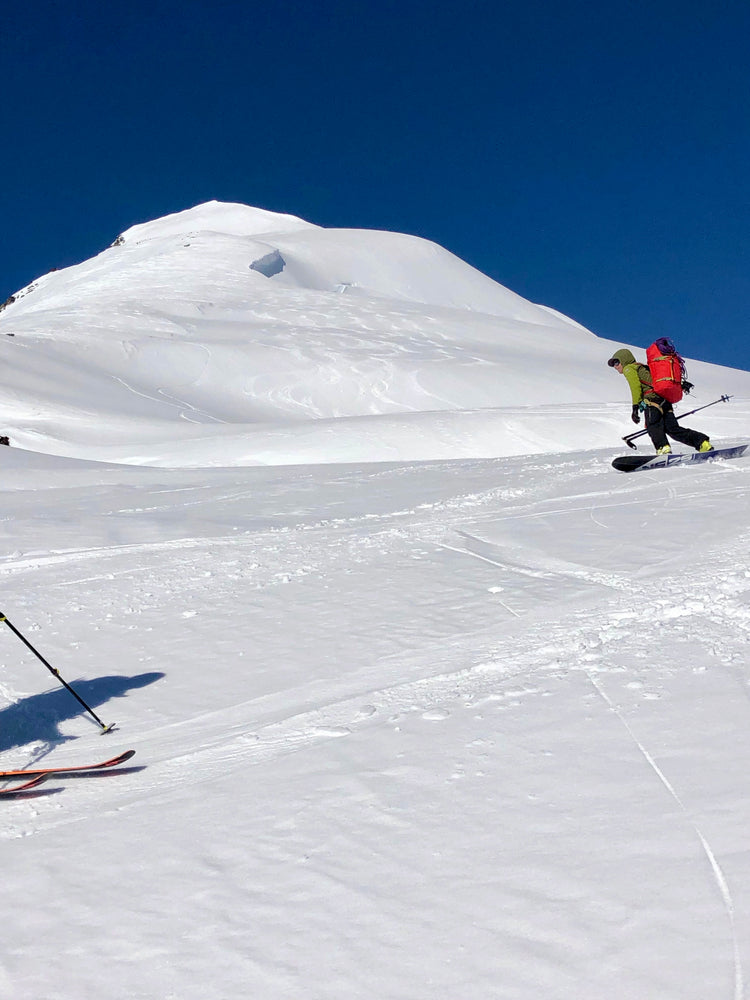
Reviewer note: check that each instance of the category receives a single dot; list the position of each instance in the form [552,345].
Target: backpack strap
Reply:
[644,377]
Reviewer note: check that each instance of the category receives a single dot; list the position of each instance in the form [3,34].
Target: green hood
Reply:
[624,356]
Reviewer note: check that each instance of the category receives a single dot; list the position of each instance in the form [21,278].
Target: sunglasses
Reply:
[613,363]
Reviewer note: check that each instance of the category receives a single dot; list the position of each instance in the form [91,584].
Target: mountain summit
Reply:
[232,335]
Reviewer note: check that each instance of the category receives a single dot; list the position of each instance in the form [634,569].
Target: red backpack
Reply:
[667,370]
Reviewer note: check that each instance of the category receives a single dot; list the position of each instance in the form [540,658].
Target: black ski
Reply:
[635,463]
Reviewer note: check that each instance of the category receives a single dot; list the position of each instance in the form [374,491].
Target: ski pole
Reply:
[628,439]
[53,670]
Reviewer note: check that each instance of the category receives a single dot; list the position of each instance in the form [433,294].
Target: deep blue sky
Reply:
[592,156]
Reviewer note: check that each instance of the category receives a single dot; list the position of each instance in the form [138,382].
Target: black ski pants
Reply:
[660,421]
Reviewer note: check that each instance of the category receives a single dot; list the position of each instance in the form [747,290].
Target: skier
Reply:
[660,418]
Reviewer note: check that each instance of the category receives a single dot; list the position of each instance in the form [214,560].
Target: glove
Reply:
[635,416]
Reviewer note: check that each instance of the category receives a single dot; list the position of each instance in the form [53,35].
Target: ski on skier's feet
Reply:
[634,463]
[43,772]
[37,780]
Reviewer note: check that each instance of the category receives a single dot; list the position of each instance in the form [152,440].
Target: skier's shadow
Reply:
[38,717]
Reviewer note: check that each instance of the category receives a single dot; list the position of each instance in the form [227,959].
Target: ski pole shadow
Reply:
[38,717]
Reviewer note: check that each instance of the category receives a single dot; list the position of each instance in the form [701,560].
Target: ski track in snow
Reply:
[718,873]
[540,652]
[529,651]
[577,625]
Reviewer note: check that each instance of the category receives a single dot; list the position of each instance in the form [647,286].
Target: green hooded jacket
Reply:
[638,376]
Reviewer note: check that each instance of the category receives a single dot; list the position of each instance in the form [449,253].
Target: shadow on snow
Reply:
[38,717]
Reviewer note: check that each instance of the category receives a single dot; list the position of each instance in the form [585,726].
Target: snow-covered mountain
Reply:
[227,335]
[467,716]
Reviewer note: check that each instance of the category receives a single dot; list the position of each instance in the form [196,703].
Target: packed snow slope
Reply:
[227,335]
[464,723]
